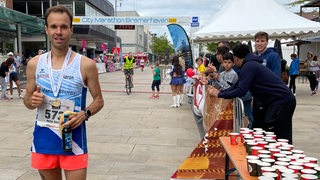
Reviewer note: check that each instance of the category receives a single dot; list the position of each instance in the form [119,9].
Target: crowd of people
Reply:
[256,78]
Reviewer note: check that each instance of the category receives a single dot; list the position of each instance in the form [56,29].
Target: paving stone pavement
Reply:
[134,137]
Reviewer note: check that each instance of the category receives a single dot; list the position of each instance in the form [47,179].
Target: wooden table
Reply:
[237,154]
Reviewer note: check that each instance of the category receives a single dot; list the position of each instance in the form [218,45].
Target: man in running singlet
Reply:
[57,81]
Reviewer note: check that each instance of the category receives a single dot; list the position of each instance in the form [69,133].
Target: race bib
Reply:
[51,109]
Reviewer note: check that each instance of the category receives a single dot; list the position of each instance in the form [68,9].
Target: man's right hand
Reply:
[37,98]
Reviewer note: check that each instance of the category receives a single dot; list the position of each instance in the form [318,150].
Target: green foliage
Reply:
[299,2]
[161,45]
[212,47]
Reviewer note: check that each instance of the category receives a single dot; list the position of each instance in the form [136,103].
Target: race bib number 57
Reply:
[51,109]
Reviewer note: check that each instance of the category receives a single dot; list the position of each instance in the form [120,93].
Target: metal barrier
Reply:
[238,114]
[165,70]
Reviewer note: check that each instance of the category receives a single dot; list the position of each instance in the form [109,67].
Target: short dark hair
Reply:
[293,55]
[9,61]
[261,34]
[199,58]
[58,9]
[241,50]
[228,56]
[225,43]
[222,50]
[315,58]
[176,65]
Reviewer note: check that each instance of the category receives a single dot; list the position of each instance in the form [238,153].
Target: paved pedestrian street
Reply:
[134,137]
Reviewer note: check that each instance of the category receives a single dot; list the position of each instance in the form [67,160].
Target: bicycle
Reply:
[128,83]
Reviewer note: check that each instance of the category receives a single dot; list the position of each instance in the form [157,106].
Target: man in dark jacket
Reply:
[266,87]
[270,59]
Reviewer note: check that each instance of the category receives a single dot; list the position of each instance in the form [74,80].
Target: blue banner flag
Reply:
[181,44]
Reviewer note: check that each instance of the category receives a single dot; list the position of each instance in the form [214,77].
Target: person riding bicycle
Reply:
[128,65]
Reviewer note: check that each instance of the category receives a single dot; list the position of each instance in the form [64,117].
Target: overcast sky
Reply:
[204,9]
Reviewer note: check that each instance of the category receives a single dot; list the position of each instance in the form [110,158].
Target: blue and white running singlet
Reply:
[71,96]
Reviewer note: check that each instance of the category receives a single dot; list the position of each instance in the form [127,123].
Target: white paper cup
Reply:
[308,171]
[311,159]
[297,151]
[308,177]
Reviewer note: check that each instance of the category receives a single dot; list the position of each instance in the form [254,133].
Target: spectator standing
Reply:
[310,76]
[228,77]
[177,81]
[57,81]
[4,71]
[312,66]
[17,61]
[14,77]
[284,72]
[156,81]
[214,59]
[271,60]
[221,50]
[314,69]
[14,74]
[293,72]
[201,68]
[265,86]
[98,59]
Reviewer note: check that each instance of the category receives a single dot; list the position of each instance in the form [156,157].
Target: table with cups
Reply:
[257,154]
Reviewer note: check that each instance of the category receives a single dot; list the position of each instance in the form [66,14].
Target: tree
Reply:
[161,46]
[212,47]
[299,2]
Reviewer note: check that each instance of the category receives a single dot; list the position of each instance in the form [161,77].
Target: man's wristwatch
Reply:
[87,112]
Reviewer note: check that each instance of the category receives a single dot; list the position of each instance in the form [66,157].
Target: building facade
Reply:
[95,37]
[133,39]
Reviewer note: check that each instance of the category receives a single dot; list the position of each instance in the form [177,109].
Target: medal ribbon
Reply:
[56,89]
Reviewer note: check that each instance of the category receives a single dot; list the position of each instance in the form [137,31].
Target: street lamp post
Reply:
[153,54]
[115,15]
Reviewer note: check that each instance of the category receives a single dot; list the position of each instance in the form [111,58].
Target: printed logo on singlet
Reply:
[42,74]
[68,77]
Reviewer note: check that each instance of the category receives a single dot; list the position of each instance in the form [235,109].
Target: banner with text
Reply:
[112,20]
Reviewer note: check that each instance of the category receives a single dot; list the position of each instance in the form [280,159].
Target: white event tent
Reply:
[241,19]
